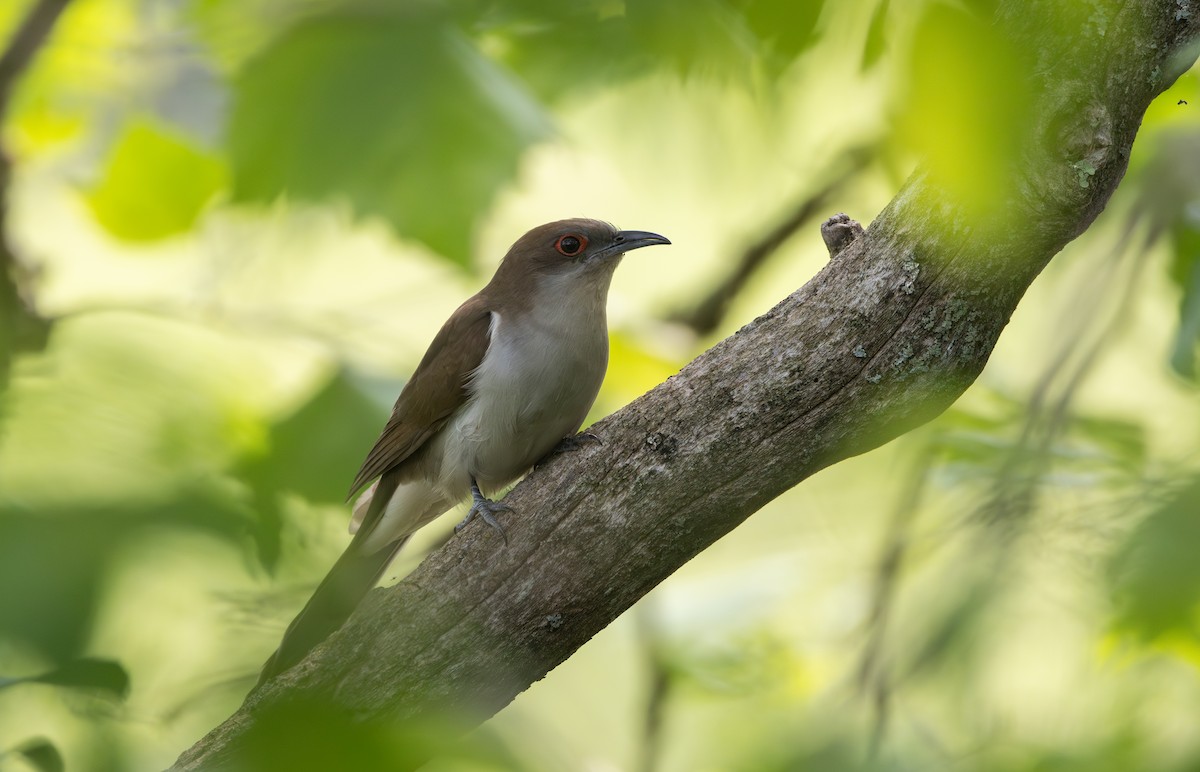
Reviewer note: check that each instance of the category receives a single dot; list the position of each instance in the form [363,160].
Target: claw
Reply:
[486,510]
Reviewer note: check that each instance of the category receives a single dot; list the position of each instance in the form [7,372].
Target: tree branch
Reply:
[884,338]
[29,37]
[21,328]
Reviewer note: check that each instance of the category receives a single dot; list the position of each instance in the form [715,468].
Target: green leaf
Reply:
[40,754]
[403,117]
[98,674]
[784,28]
[877,33]
[562,49]
[1155,576]
[314,453]
[62,555]
[1185,270]
[91,674]
[61,563]
[156,183]
[692,37]
[302,733]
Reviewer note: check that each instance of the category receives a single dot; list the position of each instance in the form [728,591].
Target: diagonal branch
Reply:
[887,336]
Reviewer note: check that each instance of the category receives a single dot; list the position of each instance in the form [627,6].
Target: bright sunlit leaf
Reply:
[156,183]
[42,125]
[968,109]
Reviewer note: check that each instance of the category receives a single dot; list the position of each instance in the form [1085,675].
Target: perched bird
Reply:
[512,373]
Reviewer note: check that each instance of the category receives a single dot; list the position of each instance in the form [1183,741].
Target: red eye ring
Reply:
[571,244]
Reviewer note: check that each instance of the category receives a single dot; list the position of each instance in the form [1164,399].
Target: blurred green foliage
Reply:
[99,675]
[402,116]
[312,736]
[969,108]
[288,464]
[39,754]
[247,218]
[1156,577]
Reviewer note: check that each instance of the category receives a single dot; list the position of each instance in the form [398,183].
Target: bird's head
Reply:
[576,247]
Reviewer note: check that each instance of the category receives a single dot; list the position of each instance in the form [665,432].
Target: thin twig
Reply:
[1017,481]
[658,691]
[24,45]
[874,677]
[706,315]
[1027,463]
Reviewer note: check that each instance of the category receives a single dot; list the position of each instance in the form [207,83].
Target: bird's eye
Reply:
[571,244]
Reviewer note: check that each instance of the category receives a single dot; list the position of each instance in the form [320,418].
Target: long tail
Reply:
[352,577]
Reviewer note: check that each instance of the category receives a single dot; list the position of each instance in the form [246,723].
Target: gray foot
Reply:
[486,510]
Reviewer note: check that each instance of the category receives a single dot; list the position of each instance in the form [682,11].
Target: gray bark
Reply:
[887,336]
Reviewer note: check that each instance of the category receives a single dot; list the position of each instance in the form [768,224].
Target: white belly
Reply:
[533,388]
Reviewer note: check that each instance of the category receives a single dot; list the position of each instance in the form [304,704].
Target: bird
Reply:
[511,374]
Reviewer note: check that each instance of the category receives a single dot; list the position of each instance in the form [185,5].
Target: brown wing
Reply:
[435,391]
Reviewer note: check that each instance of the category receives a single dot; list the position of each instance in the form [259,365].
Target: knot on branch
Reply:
[839,232]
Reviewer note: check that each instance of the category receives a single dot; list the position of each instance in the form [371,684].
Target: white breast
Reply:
[536,383]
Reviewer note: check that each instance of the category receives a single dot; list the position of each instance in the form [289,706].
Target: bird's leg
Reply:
[486,509]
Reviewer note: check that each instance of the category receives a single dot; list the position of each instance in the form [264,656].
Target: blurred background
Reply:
[235,225]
